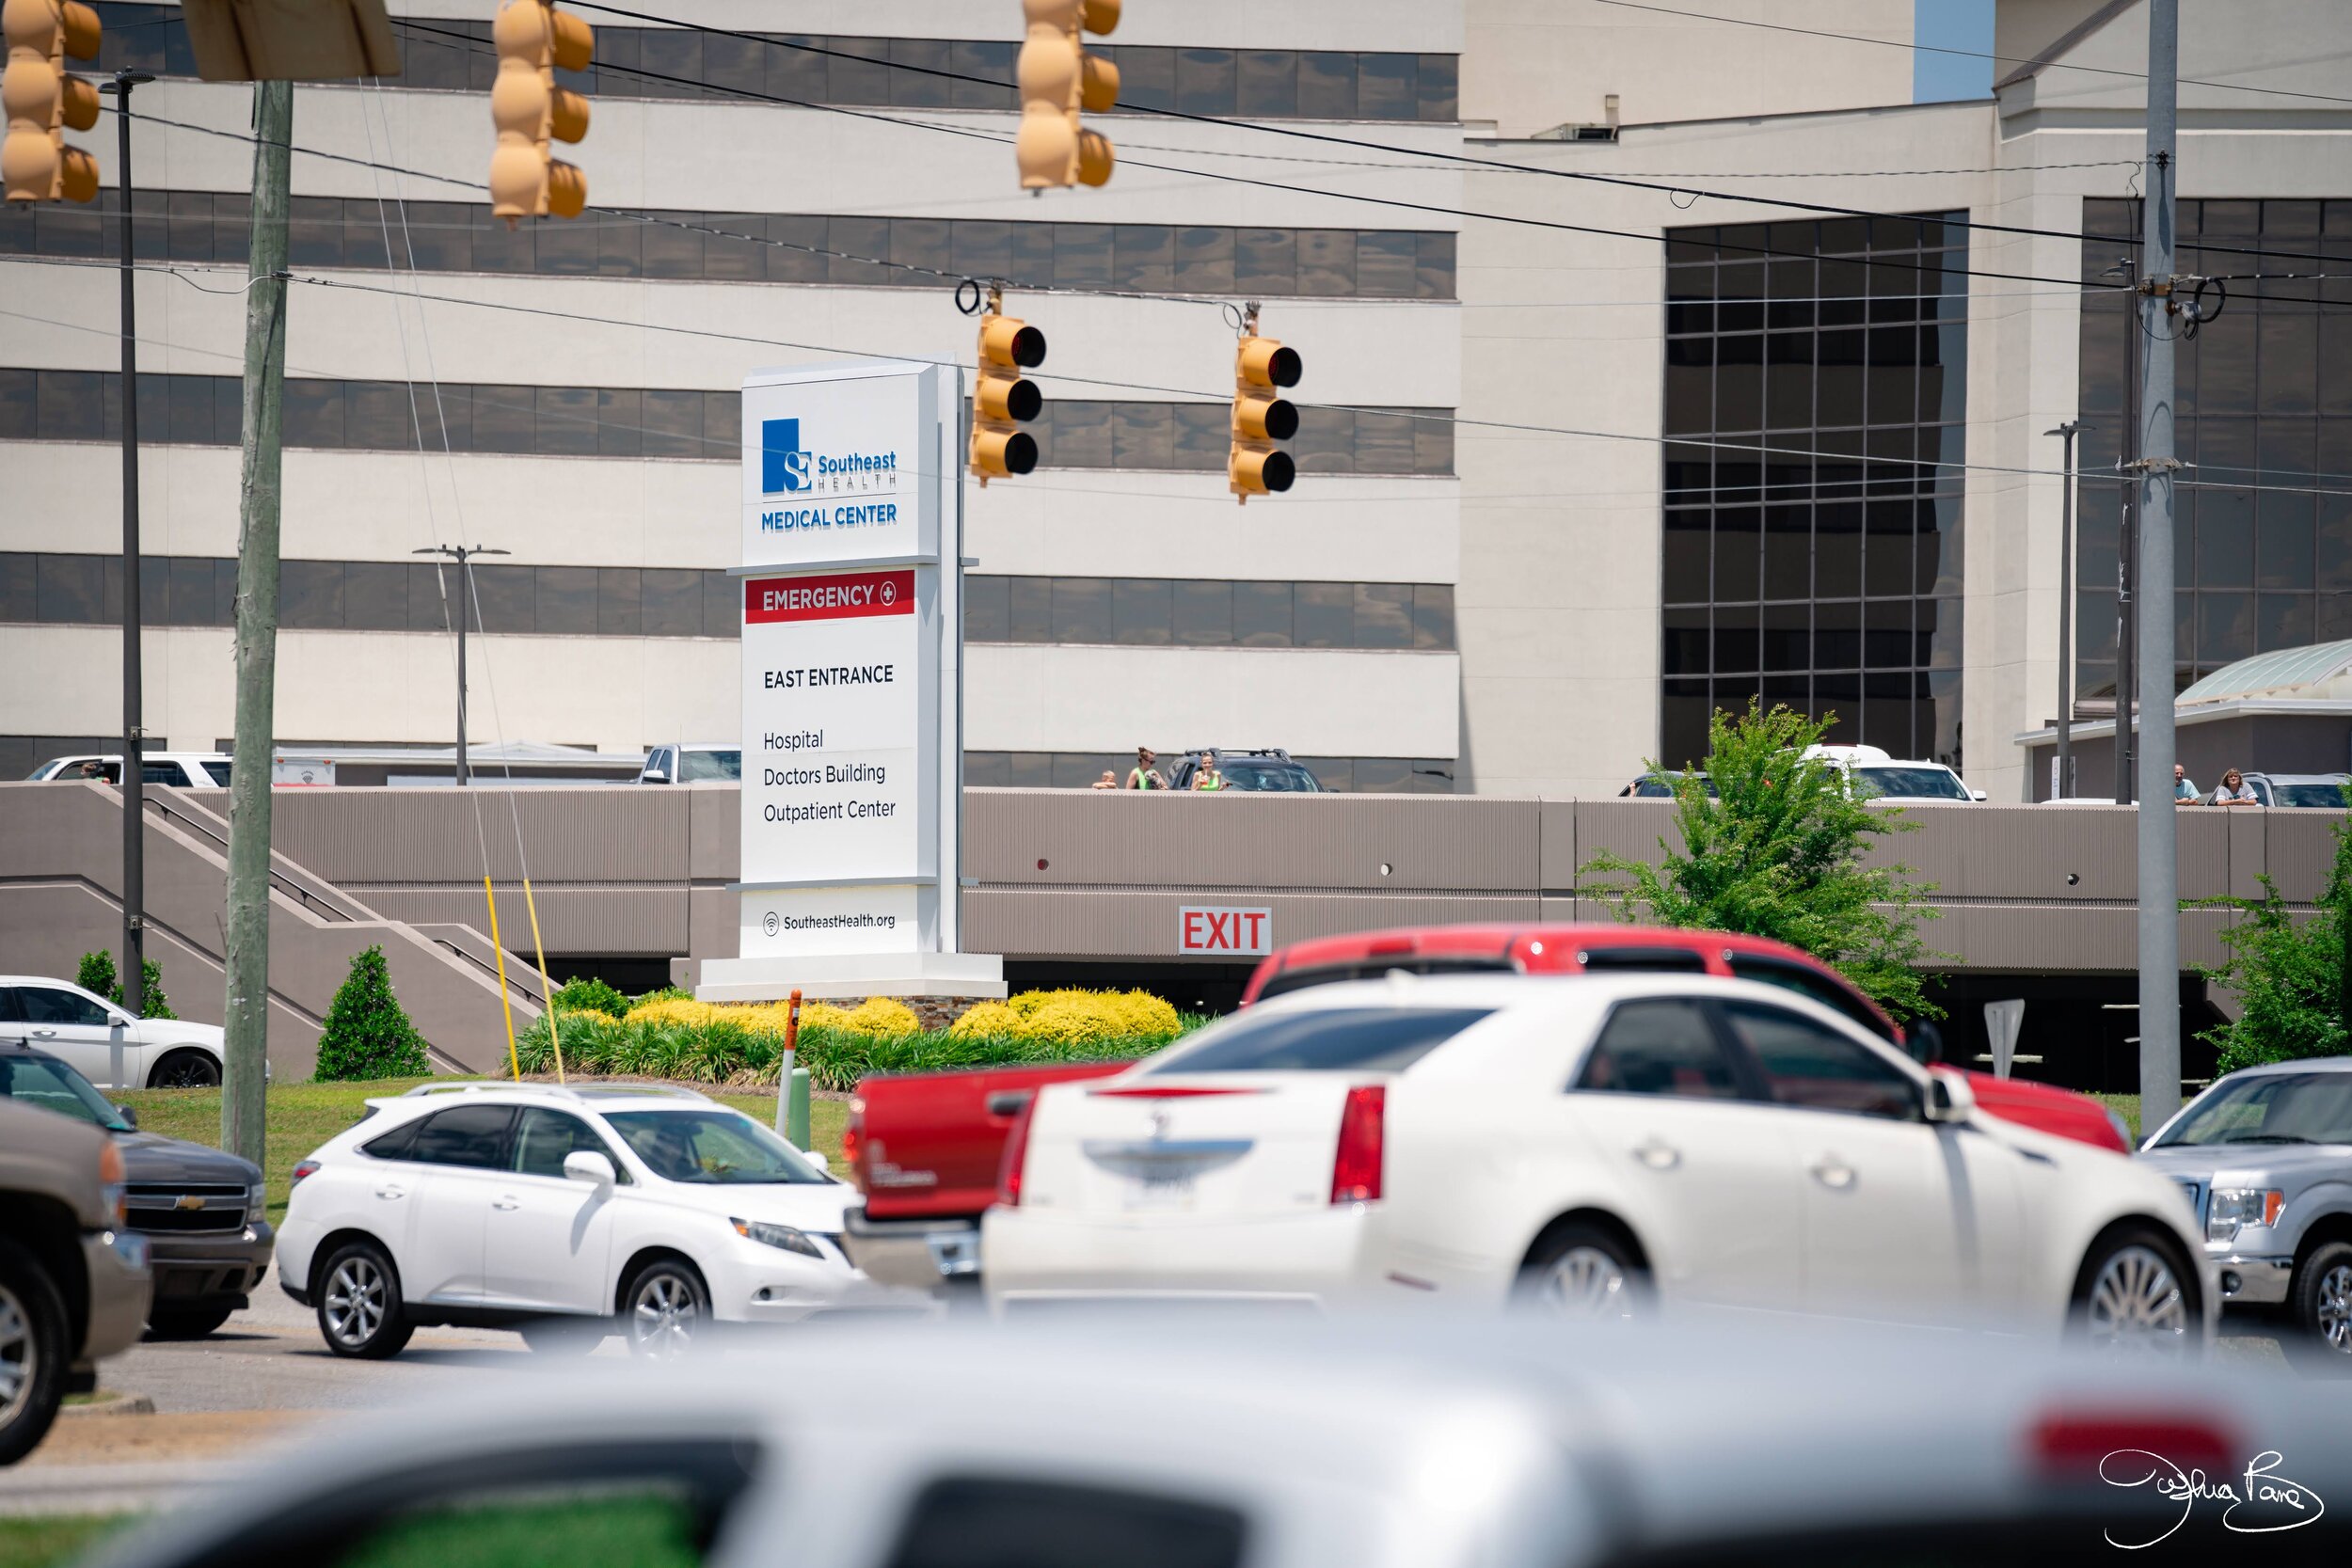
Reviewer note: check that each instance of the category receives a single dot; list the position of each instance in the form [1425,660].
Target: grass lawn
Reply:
[304,1116]
[2126,1106]
[44,1539]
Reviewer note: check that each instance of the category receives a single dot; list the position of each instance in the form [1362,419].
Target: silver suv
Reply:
[2265,1157]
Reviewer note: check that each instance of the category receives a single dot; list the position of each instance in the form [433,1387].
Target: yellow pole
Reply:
[513,1060]
[555,1037]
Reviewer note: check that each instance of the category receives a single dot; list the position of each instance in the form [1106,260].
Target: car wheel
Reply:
[665,1309]
[2136,1297]
[193,1325]
[32,1351]
[2322,1299]
[1580,1272]
[359,1297]
[564,1335]
[185,1070]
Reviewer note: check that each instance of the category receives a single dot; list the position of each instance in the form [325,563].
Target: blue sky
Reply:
[1951,25]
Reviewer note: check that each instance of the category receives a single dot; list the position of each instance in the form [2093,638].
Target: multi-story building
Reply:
[1580,461]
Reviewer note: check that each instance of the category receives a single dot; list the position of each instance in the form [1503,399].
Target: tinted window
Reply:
[1917,784]
[2270,1108]
[395,1144]
[710,766]
[11,1011]
[2308,794]
[543,1138]
[44,1005]
[470,1136]
[1658,1047]
[54,1087]
[980,1522]
[218,772]
[1809,1064]
[1363,1039]
[1662,961]
[712,1148]
[1807,982]
[1271,777]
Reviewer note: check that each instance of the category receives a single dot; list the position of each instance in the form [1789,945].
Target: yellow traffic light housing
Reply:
[1058,79]
[1261,415]
[42,102]
[530,110]
[1003,399]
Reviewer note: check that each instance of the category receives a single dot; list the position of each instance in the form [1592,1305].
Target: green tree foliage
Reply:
[97,974]
[1779,851]
[2293,979]
[590,997]
[367,1034]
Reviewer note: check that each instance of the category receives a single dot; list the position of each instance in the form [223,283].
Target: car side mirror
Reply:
[586,1165]
[817,1157]
[128,1116]
[1978,795]
[655,775]
[1949,1097]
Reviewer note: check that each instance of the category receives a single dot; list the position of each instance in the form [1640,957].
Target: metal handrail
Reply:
[279,880]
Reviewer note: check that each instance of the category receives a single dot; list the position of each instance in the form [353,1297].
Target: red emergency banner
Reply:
[836,596]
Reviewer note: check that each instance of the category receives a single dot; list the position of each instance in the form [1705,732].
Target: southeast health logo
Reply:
[782,466]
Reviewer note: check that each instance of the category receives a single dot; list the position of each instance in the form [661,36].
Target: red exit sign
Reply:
[1225,932]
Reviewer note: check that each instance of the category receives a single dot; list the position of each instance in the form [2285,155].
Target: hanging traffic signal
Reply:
[530,110]
[1058,78]
[43,101]
[1260,415]
[1003,399]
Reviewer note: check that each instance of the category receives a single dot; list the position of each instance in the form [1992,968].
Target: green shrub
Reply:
[664,993]
[589,996]
[97,974]
[367,1034]
[2293,976]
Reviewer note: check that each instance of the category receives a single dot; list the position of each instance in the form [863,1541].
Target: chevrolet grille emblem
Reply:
[189,1201]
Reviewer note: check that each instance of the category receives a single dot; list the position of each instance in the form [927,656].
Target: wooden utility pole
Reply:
[243,1111]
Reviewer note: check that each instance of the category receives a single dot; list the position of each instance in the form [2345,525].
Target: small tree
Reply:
[97,974]
[2294,980]
[1779,850]
[367,1034]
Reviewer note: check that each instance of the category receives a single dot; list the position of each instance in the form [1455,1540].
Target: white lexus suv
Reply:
[568,1214]
[1597,1145]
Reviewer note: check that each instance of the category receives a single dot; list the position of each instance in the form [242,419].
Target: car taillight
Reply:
[307,1168]
[2076,1447]
[1355,1168]
[1016,1152]
[853,1140]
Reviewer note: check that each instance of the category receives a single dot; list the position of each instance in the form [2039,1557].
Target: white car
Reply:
[706,763]
[106,1044]
[568,1214]
[1873,774]
[176,769]
[1592,1146]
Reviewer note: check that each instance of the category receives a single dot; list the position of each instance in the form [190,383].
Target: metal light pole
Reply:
[2064,786]
[461,554]
[2159,846]
[2126,539]
[134,970]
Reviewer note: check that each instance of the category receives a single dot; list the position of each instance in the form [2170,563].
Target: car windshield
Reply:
[54,1087]
[713,1147]
[1359,1039]
[2327,794]
[1910,784]
[1660,786]
[710,766]
[1288,778]
[2269,1108]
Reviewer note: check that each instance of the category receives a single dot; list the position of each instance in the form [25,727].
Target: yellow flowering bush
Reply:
[1072,1018]
[875,1016]
[985,1019]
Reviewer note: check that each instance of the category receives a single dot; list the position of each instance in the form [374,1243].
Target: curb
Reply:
[108,1404]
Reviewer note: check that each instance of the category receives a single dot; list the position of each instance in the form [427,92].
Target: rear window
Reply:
[986,1521]
[1358,1039]
[1811,982]
[219,773]
[1372,969]
[1913,783]
[1652,961]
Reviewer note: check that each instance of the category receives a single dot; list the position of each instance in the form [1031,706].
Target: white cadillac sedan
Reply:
[1592,1146]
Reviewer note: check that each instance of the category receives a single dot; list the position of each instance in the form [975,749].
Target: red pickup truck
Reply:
[925,1147]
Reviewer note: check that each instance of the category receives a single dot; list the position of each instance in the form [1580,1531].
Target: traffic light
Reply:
[43,101]
[1058,79]
[1003,399]
[530,110]
[1260,415]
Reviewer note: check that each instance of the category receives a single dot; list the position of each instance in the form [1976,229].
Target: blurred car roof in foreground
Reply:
[1191,1441]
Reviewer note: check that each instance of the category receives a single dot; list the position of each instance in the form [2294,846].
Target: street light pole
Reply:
[2064,784]
[134,968]
[461,554]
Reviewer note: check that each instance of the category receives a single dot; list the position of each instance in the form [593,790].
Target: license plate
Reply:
[1172,1190]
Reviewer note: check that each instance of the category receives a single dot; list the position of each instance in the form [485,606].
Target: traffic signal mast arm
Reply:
[1058,79]
[42,102]
[1261,415]
[530,110]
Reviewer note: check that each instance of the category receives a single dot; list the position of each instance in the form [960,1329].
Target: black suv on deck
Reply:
[200,1208]
[1271,769]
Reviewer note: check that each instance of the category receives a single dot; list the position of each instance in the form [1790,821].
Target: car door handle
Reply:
[507,1202]
[44,1033]
[391,1189]
[1657,1155]
[1830,1171]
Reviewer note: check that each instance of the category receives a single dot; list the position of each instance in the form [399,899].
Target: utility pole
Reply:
[2159,846]
[134,968]
[461,554]
[2126,544]
[2064,786]
[244,1113]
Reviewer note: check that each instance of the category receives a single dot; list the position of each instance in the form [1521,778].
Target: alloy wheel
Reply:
[664,1316]
[2335,1310]
[19,1368]
[1585,1283]
[189,1071]
[2136,1304]
[355,1301]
